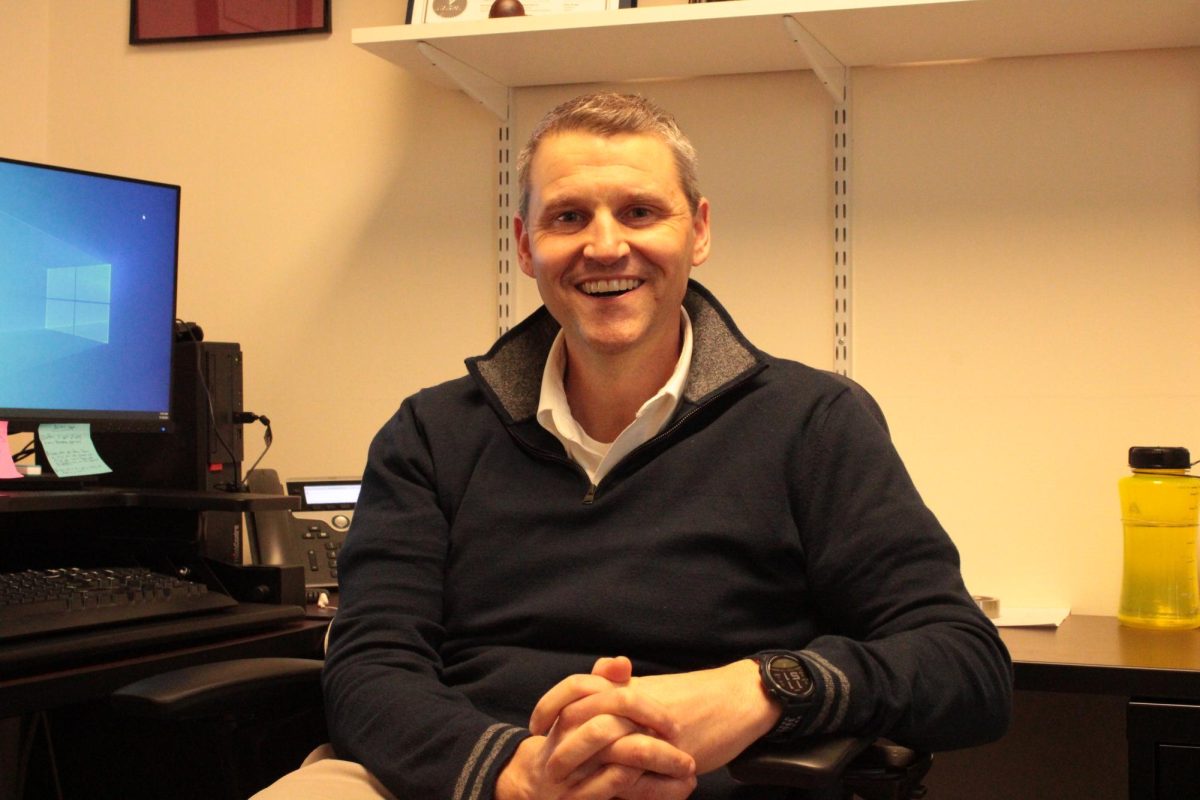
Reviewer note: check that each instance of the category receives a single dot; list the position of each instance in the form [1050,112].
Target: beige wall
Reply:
[23,78]
[324,198]
[1027,255]
[1026,245]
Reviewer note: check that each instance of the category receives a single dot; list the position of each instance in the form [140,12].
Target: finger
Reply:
[612,740]
[635,705]
[650,754]
[608,782]
[639,752]
[575,752]
[565,692]
[649,786]
[617,670]
[618,782]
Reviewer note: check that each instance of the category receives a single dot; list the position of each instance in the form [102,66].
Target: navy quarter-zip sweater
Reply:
[771,512]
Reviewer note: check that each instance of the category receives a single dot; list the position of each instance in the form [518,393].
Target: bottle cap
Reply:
[1159,458]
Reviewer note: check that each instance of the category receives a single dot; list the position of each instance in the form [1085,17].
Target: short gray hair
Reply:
[610,114]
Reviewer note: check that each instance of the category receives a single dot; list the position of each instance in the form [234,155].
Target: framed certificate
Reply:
[421,12]
[180,20]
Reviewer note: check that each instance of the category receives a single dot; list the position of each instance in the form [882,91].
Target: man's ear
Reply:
[524,255]
[702,232]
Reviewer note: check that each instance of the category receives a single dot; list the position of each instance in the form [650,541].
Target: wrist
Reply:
[787,679]
[512,782]
[763,711]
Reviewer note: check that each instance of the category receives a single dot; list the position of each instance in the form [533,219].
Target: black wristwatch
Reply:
[786,678]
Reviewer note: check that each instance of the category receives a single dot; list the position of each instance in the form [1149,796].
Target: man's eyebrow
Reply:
[583,201]
[646,198]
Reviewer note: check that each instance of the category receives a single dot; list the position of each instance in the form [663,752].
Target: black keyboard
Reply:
[36,602]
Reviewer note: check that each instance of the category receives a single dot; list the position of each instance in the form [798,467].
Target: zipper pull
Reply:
[591,494]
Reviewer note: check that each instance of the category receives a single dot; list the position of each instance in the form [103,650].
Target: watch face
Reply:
[449,8]
[789,675]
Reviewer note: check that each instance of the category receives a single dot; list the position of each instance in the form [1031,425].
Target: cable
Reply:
[38,722]
[268,437]
[25,452]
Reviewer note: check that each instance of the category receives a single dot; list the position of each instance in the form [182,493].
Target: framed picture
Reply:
[152,21]
[421,12]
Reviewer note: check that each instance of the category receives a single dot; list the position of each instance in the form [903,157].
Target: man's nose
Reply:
[606,240]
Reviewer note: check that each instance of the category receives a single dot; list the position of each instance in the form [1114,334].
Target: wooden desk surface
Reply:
[1098,655]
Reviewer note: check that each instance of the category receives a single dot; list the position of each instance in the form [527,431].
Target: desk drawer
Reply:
[1164,750]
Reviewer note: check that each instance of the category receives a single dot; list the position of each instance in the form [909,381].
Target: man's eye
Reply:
[569,218]
[639,213]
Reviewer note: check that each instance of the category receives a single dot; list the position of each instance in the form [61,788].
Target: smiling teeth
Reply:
[605,287]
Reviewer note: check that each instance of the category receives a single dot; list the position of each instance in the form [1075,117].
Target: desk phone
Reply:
[310,536]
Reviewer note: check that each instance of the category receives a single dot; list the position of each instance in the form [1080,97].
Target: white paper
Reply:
[1030,617]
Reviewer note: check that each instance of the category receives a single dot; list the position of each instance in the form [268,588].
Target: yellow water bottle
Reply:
[1159,588]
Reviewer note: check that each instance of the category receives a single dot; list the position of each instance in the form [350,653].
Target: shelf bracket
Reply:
[492,95]
[829,70]
[835,77]
[506,202]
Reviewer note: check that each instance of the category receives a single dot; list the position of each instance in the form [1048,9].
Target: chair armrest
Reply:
[222,688]
[873,769]
[803,764]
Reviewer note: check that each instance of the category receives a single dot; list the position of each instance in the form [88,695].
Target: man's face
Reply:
[611,241]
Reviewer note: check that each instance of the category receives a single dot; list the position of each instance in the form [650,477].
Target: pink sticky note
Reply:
[7,468]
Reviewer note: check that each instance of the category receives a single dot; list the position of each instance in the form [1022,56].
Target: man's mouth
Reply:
[610,288]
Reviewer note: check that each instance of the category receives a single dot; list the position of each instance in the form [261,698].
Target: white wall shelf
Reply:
[747,36]
[488,59]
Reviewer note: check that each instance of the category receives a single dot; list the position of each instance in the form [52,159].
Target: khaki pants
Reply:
[323,776]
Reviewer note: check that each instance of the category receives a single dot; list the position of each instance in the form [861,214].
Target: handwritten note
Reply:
[70,450]
[7,468]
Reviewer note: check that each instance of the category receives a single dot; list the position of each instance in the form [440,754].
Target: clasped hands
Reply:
[610,735]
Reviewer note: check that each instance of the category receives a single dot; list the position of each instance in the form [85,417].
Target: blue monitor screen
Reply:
[87,296]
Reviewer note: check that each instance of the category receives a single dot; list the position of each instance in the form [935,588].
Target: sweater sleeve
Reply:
[386,704]
[908,654]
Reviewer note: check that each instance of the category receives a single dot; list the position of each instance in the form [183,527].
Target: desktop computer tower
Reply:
[202,451]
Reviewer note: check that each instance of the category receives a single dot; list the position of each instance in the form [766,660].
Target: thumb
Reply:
[618,669]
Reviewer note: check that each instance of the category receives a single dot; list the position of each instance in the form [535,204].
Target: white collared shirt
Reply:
[597,458]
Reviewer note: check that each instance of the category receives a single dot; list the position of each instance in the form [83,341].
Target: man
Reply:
[570,572]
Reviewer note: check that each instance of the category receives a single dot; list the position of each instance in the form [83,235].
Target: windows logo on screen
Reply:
[78,300]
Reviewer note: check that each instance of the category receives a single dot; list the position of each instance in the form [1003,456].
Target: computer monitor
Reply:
[88,267]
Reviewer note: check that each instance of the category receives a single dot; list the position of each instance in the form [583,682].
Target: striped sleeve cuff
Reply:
[495,747]
[832,696]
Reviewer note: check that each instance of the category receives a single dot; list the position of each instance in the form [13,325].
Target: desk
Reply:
[1098,655]
[67,673]
[1098,705]
[79,684]
[53,688]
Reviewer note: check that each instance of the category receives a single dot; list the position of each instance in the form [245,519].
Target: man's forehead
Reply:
[563,157]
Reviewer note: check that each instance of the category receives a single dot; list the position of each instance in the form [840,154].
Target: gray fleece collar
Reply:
[510,373]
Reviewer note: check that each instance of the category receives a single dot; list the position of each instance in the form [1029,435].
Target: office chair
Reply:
[240,701]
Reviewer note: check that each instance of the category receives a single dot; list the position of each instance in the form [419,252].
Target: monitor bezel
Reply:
[27,420]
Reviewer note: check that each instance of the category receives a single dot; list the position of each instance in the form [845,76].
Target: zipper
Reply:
[590,496]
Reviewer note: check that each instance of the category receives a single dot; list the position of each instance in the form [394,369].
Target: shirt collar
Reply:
[554,412]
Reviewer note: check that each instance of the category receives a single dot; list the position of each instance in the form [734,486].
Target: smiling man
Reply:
[629,544]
